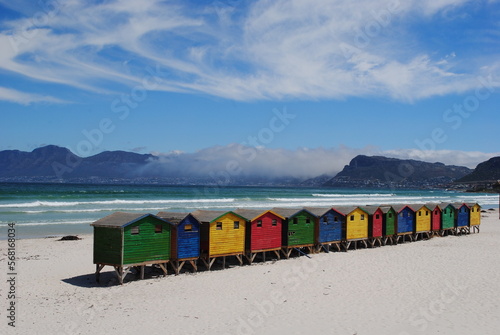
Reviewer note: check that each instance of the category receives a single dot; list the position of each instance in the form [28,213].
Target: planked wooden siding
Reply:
[357,225]
[147,245]
[436,218]
[423,219]
[406,220]
[227,240]
[186,244]
[463,216]
[301,232]
[448,217]
[108,246]
[475,215]
[267,236]
[389,225]
[330,227]
[376,223]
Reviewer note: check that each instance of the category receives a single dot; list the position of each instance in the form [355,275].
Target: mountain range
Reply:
[57,164]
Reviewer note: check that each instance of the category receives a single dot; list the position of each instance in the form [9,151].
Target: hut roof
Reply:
[344,210]
[398,208]
[252,214]
[472,204]
[457,205]
[173,217]
[417,207]
[318,211]
[122,219]
[209,216]
[371,209]
[288,212]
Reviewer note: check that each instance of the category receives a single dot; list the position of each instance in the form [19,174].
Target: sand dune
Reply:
[448,285]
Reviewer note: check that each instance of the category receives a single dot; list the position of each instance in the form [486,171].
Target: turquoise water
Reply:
[41,210]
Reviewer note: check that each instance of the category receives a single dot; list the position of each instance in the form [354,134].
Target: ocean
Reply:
[41,210]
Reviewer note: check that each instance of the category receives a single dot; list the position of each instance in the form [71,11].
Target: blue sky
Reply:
[303,79]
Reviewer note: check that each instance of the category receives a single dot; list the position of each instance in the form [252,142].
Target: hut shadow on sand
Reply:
[109,278]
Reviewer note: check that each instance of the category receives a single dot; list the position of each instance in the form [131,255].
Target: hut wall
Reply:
[436,219]
[148,245]
[406,221]
[228,240]
[448,218]
[423,220]
[187,241]
[389,223]
[108,246]
[267,236]
[330,227]
[463,216]
[475,215]
[376,223]
[357,225]
[300,233]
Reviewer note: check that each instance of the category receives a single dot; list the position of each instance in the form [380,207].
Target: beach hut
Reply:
[406,223]
[128,240]
[222,234]
[298,230]
[448,217]
[475,216]
[389,226]
[375,225]
[436,214]
[185,239]
[328,228]
[356,225]
[263,232]
[462,218]
[423,217]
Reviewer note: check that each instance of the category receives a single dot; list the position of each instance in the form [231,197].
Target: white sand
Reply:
[448,285]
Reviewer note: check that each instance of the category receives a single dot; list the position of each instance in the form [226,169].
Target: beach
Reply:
[445,285]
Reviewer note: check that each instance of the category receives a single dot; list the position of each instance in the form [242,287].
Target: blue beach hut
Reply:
[462,218]
[406,222]
[328,227]
[185,239]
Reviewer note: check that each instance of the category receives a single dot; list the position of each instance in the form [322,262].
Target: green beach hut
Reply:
[127,240]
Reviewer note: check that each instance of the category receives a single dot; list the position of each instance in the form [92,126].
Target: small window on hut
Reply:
[352,217]
[158,229]
[236,224]
[188,227]
[259,223]
[419,213]
[275,222]
[426,213]
[325,220]
[362,216]
[295,221]
[218,226]
[335,219]
[308,220]
[390,215]
[134,230]
[377,216]
[436,212]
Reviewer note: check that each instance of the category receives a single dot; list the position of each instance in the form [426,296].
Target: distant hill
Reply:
[488,172]
[53,163]
[383,172]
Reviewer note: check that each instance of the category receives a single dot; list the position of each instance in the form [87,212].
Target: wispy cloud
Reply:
[23,98]
[260,50]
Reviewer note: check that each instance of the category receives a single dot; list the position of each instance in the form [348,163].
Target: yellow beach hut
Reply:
[475,216]
[222,234]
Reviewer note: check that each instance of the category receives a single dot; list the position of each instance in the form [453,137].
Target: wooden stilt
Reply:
[142,271]
[98,268]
